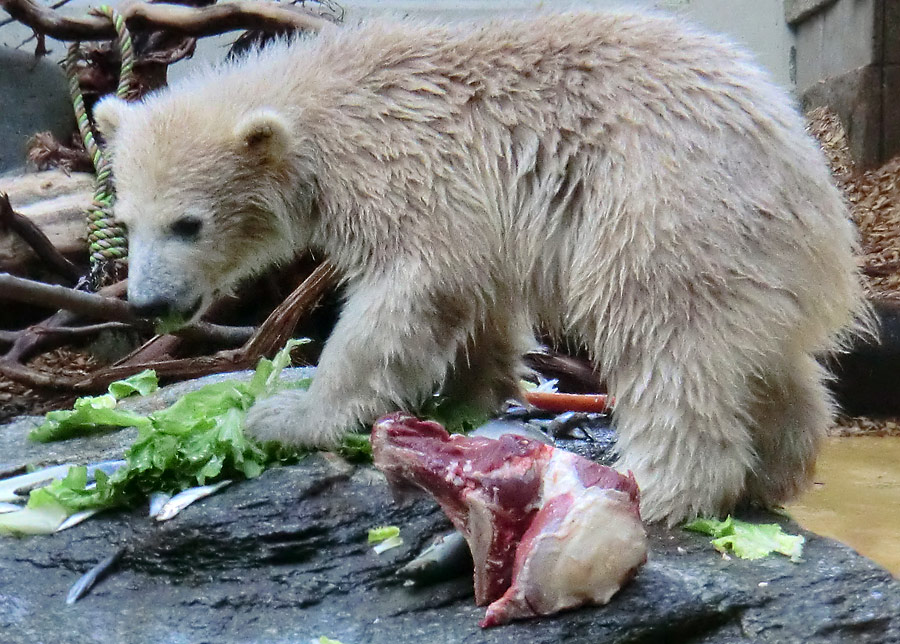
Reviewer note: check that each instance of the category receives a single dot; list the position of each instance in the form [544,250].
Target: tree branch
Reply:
[271,335]
[35,237]
[90,305]
[102,307]
[202,21]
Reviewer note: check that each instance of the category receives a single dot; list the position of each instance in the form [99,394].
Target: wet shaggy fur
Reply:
[622,179]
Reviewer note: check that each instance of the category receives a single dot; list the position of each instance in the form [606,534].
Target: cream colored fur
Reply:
[623,179]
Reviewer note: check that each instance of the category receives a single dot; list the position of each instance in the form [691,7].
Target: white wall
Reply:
[757,24]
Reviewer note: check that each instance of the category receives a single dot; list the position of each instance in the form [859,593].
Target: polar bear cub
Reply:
[621,179]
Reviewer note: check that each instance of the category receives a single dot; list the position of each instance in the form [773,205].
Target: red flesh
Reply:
[502,495]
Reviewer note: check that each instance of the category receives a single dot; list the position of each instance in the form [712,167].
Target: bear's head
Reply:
[209,195]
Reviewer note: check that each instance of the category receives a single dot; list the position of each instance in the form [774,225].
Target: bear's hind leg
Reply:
[791,412]
[683,431]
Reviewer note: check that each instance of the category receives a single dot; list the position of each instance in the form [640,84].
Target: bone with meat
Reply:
[548,529]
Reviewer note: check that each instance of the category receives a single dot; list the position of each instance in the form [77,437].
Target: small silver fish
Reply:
[183,499]
[84,584]
[107,467]
[77,518]
[157,501]
[9,507]
[10,486]
[499,426]
[447,557]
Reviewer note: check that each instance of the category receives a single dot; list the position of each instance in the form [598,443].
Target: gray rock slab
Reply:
[33,98]
[284,558]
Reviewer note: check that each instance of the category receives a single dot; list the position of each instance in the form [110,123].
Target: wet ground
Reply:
[856,497]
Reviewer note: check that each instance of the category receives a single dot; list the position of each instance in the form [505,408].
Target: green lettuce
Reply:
[749,540]
[197,439]
[382,533]
[93,413]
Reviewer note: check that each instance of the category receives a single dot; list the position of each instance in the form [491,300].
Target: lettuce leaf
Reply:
[142,383]
[749,540]
[90,414]
[382,533]
[197,439]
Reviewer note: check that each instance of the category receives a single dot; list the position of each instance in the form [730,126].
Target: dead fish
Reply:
[157,501]
[9,507]
[447,557]
[183,499]
[498,427]
[77,518]
[17,487]
[84,584]
[9,488]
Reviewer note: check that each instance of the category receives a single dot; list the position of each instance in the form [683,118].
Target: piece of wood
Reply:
[29,187]
[32,235]
[189,21]
[56,203]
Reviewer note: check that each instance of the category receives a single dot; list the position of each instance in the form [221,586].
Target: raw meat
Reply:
[548,529]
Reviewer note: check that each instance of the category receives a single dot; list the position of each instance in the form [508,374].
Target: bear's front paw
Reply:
[291,417]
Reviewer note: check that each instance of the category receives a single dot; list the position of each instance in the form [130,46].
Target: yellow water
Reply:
[856,497]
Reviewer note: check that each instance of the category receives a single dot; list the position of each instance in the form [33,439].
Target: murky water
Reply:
[856,497]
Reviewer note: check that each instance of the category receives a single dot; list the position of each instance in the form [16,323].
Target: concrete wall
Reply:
[836,40]
[841,53]
[758,25]
[848,58]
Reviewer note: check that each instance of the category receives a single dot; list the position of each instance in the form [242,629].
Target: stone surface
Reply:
[33,98]
[284,558]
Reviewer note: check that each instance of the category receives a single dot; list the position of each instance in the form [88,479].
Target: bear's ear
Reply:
[108,114]
[265,133]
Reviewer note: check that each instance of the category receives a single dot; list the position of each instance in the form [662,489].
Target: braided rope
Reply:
[107,244]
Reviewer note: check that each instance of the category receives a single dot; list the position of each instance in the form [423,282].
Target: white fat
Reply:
[560,476]
[585,560]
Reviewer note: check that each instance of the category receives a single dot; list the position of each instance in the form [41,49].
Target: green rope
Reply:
[107,244]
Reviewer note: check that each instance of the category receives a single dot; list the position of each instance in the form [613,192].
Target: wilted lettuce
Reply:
[199,438]
[749,540]
[97,412]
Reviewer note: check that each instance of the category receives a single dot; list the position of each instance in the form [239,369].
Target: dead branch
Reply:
[278,327]
[89,305]
[157,348]
[67,332]
[55,5]
[189,21]
[96,306]
[37,240]
[28,343]
[54,202]
[269,337]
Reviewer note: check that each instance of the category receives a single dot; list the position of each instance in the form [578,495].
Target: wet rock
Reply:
[284,558]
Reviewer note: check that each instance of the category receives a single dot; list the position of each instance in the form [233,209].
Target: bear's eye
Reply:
[187,228]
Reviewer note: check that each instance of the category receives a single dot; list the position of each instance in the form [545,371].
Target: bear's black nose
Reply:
[156,307]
